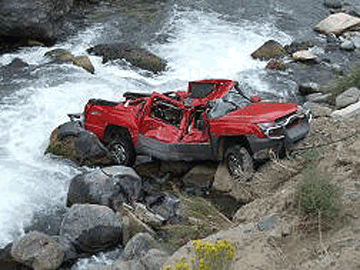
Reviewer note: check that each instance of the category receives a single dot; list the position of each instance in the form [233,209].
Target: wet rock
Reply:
[60,55]
[7,262]
[91,228]
[337,24]
[270,49]
[354,11]
[165,205]
[17,63]
[309,88]
[348,97]
[347,112]
[30,19]
[131,224]
[110,186]
[38,251]
[332,3]
[137,56]
[70,140]
[298,46]
[304,56]
[348,45]
[64,56]
[85,63]
[138,246]
[276,64]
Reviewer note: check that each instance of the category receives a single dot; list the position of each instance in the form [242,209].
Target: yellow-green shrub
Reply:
[208,256]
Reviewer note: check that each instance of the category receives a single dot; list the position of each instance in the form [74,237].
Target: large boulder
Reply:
[348,97]
[32,19]
[110,186]
[91,228]
[337,24]
[38,251]
[72,141]
[349,111]
[135,55]
[200,177]
[270,49]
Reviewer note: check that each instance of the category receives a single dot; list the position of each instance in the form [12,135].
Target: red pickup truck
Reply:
[213,120]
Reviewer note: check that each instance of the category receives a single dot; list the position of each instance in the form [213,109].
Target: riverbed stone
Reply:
[109,186]
[70,140]
[270,49]
[135,55]
[91,228]
[309,88]
[60,55]
[276,64]
[304,55]
[348,97]
[39,251]
[348,45]
[154,259]
[337,24]
[85,63]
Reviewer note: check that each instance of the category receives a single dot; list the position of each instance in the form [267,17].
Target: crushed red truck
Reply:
[213,120]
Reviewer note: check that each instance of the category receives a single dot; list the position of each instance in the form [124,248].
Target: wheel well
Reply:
[112,129]
[226,142]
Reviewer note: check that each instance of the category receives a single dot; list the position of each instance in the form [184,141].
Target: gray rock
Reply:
[70,140]
[348,45]
[31,19]
[337,24]
[201,176]
[309,88]
[137,56]
[349,111]
[127,265]
[305,55]
[91,228]
[154,258]
[348,97]
[110,186]
[318,97]
[138,246]
[7,262]
[39,251]
[333,3]
[270,49]
[165,205]
[268,223]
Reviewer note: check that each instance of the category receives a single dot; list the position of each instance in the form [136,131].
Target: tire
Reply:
[122,151]
[239,163]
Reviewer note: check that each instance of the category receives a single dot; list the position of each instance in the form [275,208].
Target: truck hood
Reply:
[261,112]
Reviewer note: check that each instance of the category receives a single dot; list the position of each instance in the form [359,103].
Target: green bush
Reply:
[318,196]
[342,83]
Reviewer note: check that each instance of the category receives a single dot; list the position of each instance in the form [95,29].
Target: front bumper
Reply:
[263,147]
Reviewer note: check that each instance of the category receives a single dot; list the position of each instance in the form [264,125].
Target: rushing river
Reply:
[203,39]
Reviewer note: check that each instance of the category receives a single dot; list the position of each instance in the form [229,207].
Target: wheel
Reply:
[122,151]
[239,163]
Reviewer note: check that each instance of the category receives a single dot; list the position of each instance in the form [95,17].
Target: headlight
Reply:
[272,130]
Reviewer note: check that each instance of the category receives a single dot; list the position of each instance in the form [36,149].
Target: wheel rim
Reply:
[235,166]
[119,153]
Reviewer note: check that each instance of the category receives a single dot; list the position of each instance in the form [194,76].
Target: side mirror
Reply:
[255,98]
